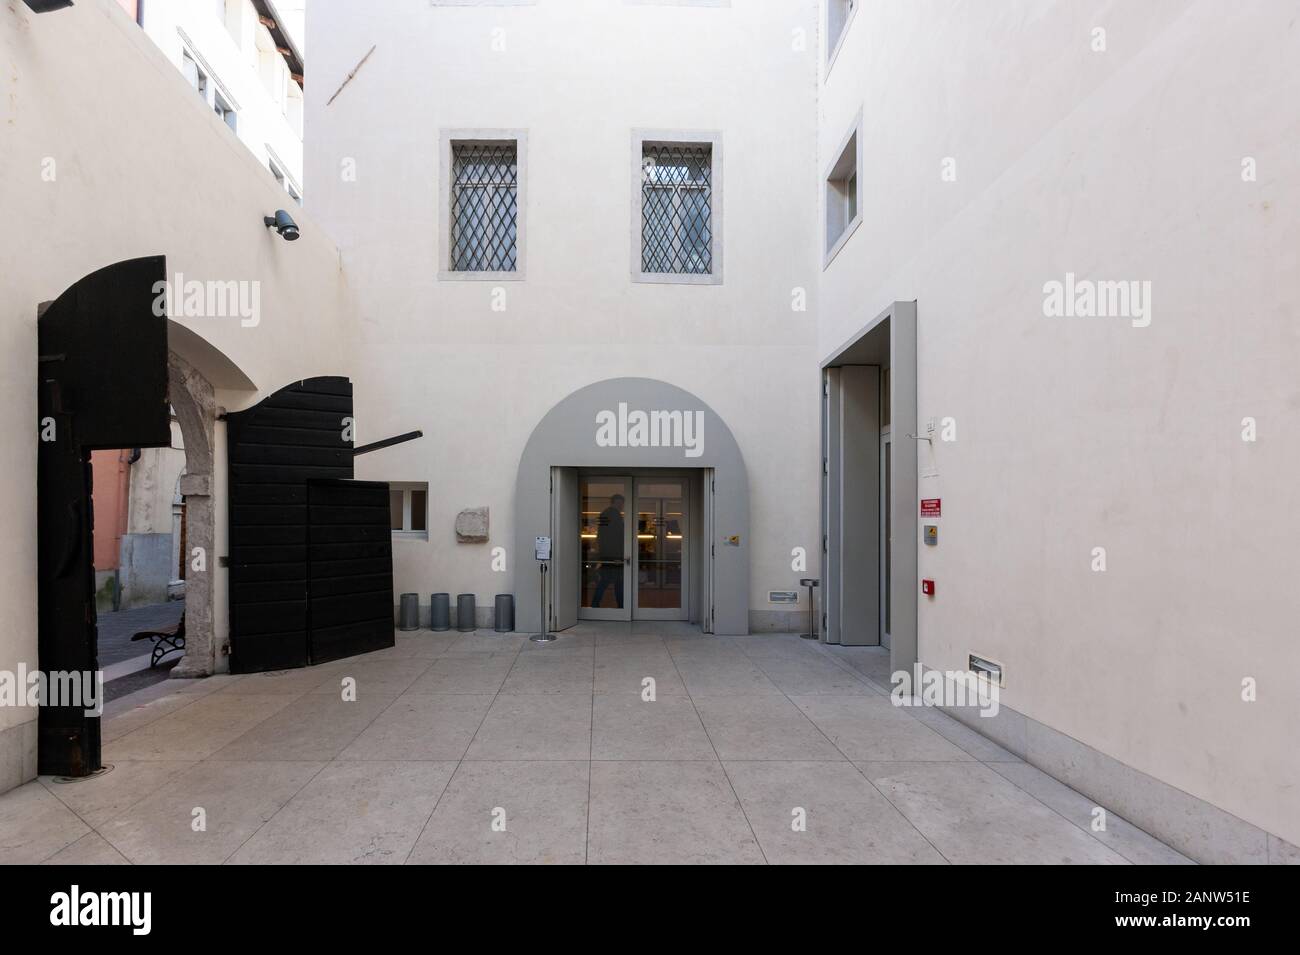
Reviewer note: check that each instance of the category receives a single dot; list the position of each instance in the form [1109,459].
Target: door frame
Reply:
[888,340]
[886,530]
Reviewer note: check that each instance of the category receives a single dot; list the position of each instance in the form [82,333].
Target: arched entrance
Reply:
[631,426]
[193,399]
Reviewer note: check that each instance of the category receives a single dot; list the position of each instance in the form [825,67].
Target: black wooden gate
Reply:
[102,384]
[310,551]
[349,569]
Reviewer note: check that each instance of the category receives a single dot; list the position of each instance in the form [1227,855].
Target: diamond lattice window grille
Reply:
[677,208]
[484,207]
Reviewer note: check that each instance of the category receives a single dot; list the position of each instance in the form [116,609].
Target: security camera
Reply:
[283,223]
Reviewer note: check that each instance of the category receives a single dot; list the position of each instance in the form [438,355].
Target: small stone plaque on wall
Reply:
[472,525]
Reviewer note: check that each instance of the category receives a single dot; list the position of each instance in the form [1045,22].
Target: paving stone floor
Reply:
[484,747]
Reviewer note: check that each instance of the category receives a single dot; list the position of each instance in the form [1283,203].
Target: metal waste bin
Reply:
[439,611]
[408,617]
[505,613]
[465,612]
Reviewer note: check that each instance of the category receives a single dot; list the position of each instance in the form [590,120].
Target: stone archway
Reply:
[194,401]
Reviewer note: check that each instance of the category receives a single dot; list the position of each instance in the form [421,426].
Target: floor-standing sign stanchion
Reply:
[542,553]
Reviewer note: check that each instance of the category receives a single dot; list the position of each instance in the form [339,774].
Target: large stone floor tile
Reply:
[760,726]
[237,799]
[871,662]
[314,727]
[974,816]
[372,679]
[845,819]
[34,825]
[1128,840]
[719,675]
[417,645]
[542,805]
[129,719]
[472,673]
[962,736]
[535,726]
[90,849]
[628,642]
[626,727]
[288,682]
[778,646]
[489,641]
[620,675]
[422,726]
[198,730]
[666,813]
[566,671]
[352,812]
[872,728]
[98,799]
[706,649]
[564,641]
[808,677]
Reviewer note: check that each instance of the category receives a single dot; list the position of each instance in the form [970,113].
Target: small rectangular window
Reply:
[839,13]
[194,74]
[285,182]
[484,207]
[408,509]
[842,207]
[676,208]
[223,109]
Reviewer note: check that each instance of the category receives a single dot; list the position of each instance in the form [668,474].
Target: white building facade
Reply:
[508,254]
[245,61]
[975,315]
[941,201]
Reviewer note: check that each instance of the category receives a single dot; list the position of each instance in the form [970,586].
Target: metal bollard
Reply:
[505,613]
[811,583]
[408,616]
[466,612]
[440,611]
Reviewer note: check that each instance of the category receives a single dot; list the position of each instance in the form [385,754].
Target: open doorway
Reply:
[630,545]
[138,513]
[635,539]
[869,487]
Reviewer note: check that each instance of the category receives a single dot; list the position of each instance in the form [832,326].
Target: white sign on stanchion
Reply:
[542,553]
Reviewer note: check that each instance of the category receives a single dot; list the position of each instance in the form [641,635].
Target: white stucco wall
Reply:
[1076,433]
[140,168]
[578,77]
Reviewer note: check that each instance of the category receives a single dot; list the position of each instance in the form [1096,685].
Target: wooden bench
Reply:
[165,640]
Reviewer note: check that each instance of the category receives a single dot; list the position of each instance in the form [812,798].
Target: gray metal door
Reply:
[564,548]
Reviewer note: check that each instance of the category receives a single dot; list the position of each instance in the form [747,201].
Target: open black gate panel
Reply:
[102,384]
[277,450]
[349,569]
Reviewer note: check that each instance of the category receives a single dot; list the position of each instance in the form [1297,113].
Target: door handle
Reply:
[627,560]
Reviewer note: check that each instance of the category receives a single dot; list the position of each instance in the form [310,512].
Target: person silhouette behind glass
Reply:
[609,551]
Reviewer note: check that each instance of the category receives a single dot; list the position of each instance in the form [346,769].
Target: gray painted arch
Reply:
[566,437]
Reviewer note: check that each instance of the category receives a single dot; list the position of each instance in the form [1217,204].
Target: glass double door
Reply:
[633,550]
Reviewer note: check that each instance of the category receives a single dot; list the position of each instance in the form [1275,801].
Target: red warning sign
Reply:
[931,506]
